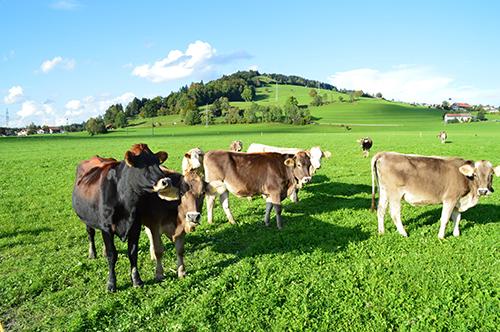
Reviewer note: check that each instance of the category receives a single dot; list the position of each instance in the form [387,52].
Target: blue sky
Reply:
[67,60]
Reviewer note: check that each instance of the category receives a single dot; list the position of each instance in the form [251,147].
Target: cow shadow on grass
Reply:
[480,214]
[300,234]
[22,236]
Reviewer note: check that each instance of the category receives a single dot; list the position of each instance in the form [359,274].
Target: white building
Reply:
[460,117]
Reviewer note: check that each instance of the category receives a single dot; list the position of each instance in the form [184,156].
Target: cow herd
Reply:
[119,197]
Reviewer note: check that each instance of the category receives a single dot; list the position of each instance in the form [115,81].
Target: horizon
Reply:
[65,61]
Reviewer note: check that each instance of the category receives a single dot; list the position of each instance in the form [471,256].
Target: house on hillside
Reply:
[40,131]
[491,109]
[22,132]
[461,107]
[457,117]
[55,130]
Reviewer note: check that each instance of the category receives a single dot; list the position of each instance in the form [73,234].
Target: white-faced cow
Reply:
[174,218]
[455,183]
[273,175]
[366,144]
[442,136]
[105,197]
[315,153]
[236,146]
[193,160]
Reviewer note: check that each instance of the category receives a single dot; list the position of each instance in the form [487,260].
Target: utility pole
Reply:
[276,91]
[206,115]
[7,117]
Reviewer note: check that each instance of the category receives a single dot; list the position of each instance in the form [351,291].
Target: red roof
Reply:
[464,105]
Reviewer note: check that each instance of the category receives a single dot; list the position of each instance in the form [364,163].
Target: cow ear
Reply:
[187,155]
[497,170]
[290,162]
[327,154]
[170,193]
[162,155]
[467,170]
[129,159]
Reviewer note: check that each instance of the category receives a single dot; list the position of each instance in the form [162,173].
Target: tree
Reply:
[192,117]
[233,115]
[96,126]
[120,120]
[110,114]
[378,95]
[317,100]
[445,105]
[207,117]
[250,114]
[291,110]
[341,99]
[248,93]
[275,113]
[481,115]
[357,94]
[313,93]
[32,128]
[133,108]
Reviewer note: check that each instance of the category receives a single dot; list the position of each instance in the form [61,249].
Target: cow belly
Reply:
[420,199]
[240,192]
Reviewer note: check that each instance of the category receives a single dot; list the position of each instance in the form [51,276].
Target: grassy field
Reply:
[328,269]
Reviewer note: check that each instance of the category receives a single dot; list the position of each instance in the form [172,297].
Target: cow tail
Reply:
[374,179]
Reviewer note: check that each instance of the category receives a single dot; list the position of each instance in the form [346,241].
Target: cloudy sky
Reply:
[67,60]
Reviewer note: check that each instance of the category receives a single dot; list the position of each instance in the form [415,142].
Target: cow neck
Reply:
[294,181]
[127,189]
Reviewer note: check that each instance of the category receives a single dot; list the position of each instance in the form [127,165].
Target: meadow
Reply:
[328,269]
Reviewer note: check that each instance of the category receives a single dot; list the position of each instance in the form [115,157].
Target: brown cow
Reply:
[236,146]
[173,218]
[273,175]
[454,182]
[366,144]
[193,159]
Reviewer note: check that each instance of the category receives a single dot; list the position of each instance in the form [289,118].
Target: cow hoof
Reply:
[159,277]
[456,233]
[138,283]
[111,287]
[92,255]
[441,237]
[181,273]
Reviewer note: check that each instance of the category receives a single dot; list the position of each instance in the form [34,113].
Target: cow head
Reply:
[316,155]
[300,164]
[143,167]
[191,192]
[236,146]
[481,173]
[193,159]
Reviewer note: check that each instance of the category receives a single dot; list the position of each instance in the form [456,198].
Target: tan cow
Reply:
[315,153]
[442,136]
[174,218]
[236,146]
[273,175]
[455,183]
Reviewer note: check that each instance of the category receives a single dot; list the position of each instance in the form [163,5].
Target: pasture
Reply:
[328,269]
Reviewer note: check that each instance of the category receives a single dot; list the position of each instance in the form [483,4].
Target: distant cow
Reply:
[174,218]
[193,160]
[442,136]
[236,146]
[105,197]
[366,144]
[316,154]
[273,175]
[456,183]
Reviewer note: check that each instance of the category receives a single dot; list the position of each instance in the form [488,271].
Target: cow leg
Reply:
[91,237]
[294,196]
[210,207]
[277,209]
[148,232]
[133,247]
[455,216]
[112,256]
[381,208]
[445,216]
[179,248]
[395,207]
[366,153]
[224,200]
[156,246]
[269,206]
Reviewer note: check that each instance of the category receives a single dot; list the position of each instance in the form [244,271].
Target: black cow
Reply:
[105,197]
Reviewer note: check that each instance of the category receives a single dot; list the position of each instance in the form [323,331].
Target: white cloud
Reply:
[74,105]
[65,5]
[199,57]
[15,94]
[413,83]
[28,108]
[48,65]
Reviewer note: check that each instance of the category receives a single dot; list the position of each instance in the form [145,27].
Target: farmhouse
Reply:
[491,109]
[55,130]
[460,106]
[457,117]
[22,132]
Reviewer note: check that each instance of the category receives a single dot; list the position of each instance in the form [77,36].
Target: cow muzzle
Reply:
[484,191]
[305,180]
[162,184]
[192,220]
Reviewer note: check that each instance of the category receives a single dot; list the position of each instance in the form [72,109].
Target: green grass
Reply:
[328,269]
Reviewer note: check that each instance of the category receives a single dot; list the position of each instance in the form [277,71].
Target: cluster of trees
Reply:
[96,126]
[290,113]
[297,80]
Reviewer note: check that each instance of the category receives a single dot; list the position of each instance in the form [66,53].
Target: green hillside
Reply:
[365,111]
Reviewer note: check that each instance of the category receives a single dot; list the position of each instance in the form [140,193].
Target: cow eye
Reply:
[299,164]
